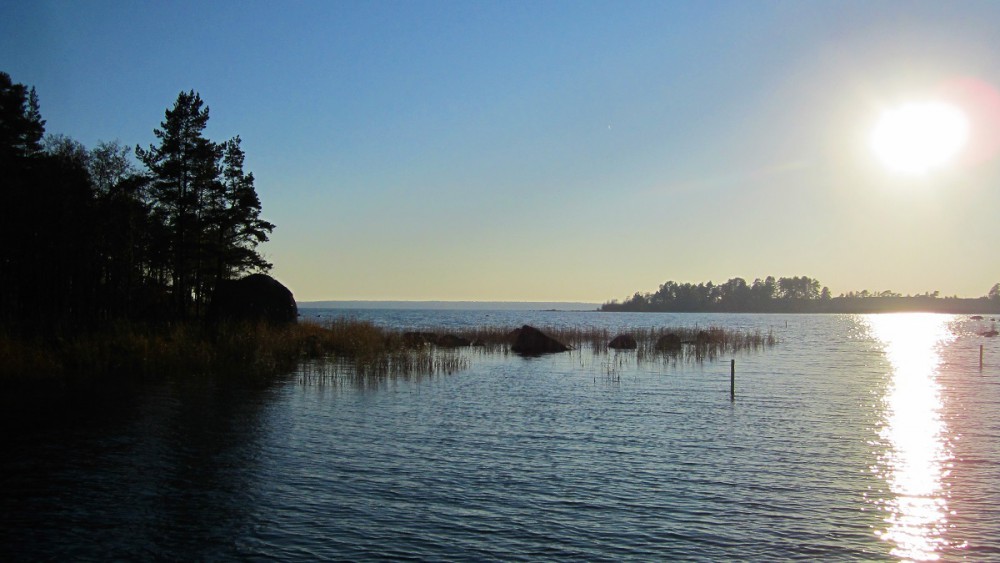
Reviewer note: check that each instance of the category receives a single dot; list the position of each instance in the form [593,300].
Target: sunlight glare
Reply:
[915,434]
[917,138]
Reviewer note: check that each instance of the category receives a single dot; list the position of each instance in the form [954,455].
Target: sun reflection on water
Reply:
[916,462]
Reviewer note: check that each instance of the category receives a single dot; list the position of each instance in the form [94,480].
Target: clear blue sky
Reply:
[575,151]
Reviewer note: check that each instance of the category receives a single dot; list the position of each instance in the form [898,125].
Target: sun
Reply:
[917,138]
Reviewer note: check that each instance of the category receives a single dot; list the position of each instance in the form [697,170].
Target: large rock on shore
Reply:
[532,342]
[257,297]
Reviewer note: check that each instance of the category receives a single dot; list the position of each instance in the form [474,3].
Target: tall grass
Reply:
[696,343]
[142,351]
[351,349]
[363,353]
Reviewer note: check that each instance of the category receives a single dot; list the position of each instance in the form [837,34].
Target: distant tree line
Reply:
[91,235]
[799,294]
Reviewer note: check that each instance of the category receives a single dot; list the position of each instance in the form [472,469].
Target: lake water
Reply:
[856,437]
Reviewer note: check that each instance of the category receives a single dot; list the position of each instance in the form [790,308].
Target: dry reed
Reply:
[355,350]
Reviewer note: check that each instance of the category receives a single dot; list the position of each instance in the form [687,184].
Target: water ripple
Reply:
[517,460]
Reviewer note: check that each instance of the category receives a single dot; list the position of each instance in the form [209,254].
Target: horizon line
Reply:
[404,303]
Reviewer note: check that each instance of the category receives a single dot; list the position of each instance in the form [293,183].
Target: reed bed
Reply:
[695,342]
[347,349]
[134,351]
[361,352]
[364,353]
[139,351]
[375,372]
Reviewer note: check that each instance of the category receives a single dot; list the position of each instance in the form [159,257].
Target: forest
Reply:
[116,233]
[798,294]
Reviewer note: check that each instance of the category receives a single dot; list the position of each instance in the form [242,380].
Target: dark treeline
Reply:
[92,235]
[799,294]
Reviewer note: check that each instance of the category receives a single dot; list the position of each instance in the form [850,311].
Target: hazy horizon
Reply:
[451,305]
[557,151]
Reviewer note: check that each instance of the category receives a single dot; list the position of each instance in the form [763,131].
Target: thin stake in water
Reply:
[732,379]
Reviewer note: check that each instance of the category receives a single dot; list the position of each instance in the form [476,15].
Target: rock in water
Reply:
[257,297]
[532,342]
[623,342]
[419,338]
[452,341]
[512,336]
[669,342]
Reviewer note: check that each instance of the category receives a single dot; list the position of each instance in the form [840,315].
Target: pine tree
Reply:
[207,202]
[184,168]
[21,123]
[47,221]
[238,227]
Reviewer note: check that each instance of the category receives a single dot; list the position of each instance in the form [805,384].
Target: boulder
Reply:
[512,335]
[668,342]
[532,342]
[254,298]
[623,342]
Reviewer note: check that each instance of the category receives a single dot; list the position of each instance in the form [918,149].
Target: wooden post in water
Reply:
[980,356]
[732,379]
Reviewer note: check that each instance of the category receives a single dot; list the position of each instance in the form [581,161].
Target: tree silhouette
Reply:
[90,238]
[21,123]
[183,168]
[46,221]
[207,203]
[236,225]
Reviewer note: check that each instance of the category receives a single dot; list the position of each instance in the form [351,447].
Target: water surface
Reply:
[857,437]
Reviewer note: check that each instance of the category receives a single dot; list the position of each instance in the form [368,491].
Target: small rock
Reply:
[669,342]
[419,338]
[452,341]
[623,342]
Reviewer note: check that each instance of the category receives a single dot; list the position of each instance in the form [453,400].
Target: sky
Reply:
[555,151]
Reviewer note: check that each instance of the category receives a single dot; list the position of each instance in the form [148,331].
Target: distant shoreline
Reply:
[456,305]
[836,305]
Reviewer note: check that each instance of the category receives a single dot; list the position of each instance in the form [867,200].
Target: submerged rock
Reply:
[419,338]
[712,336]
[452,341]
[257,297]
[532,342]
[668,342]
[623,342]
